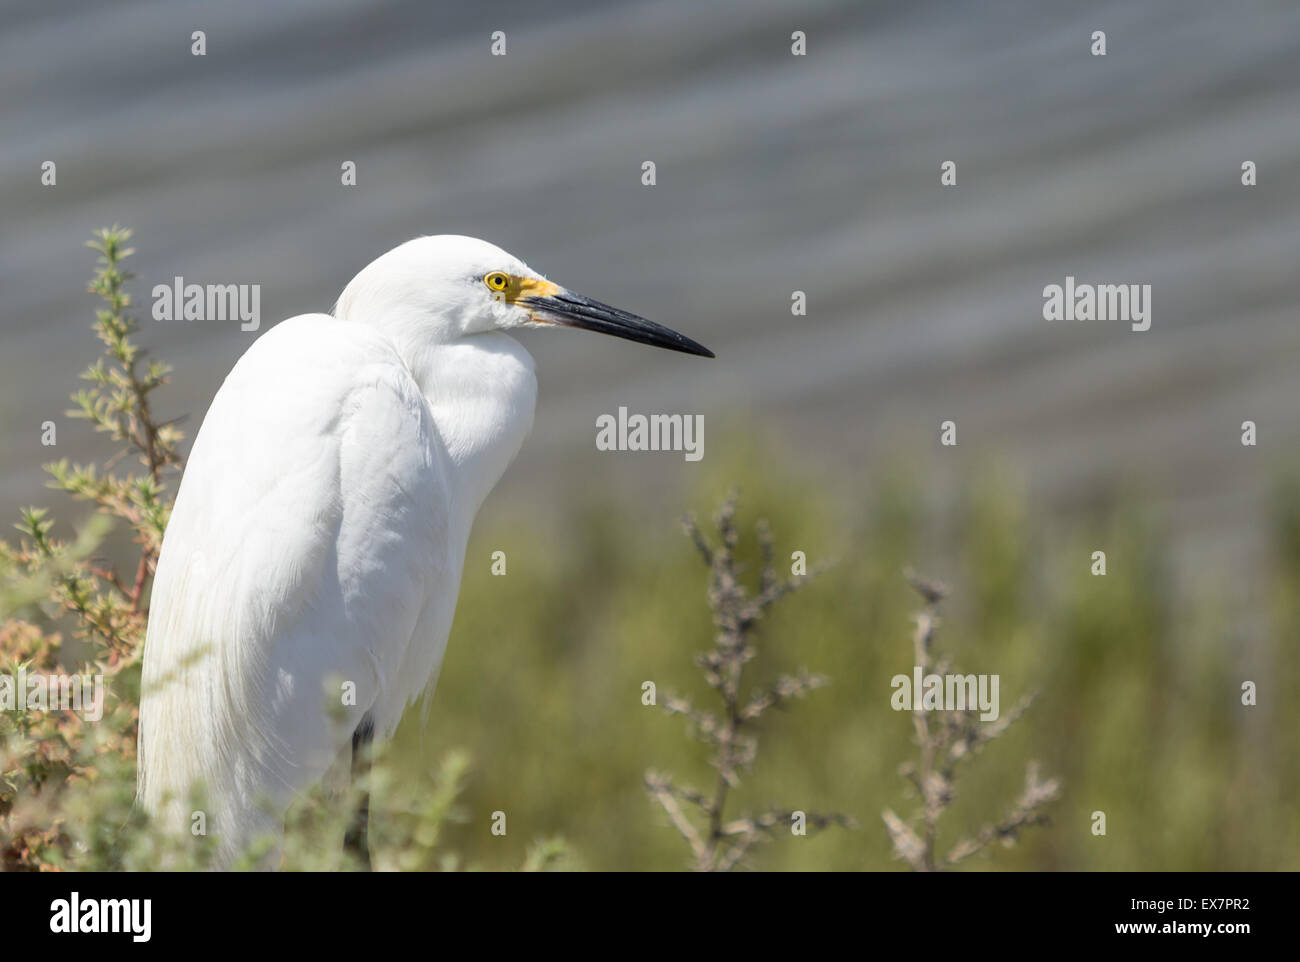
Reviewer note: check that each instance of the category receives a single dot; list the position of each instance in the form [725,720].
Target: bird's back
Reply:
[307,577]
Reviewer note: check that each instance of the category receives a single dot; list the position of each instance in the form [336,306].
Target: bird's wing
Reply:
[307,539]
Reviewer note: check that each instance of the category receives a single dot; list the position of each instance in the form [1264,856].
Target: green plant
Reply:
[50,582]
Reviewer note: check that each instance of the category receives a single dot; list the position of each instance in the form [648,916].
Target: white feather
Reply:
[319,533]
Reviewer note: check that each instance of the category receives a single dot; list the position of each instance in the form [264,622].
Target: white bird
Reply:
[319,532]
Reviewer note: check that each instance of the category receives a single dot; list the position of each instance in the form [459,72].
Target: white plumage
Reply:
[318,535]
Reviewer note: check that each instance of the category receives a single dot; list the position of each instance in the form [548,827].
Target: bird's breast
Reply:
[482,392]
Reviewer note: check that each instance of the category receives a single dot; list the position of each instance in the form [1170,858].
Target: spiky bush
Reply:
[946,740]
[718,841]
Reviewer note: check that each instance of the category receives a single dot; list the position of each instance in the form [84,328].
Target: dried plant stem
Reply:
[944,739]
[722,842]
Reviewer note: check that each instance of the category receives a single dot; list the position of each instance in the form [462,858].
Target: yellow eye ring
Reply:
[497,281]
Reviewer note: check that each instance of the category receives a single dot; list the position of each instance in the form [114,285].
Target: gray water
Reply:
[775,173]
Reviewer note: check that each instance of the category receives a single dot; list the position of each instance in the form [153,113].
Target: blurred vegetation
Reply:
[1139,710]
[539,713]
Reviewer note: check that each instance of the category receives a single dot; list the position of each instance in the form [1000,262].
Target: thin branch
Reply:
[721,843]
[944,739]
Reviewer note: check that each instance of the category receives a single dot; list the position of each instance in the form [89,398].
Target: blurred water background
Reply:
[776,173]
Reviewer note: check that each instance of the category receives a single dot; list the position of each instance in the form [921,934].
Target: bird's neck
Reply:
[482,392]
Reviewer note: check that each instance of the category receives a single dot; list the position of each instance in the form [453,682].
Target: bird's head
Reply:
[449,286]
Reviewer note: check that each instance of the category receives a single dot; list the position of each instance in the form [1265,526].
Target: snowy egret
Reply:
[309,573]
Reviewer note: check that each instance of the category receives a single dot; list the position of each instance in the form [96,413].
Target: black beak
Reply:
[574,310]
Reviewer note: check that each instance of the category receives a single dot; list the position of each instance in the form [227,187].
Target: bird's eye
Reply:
[497,281]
